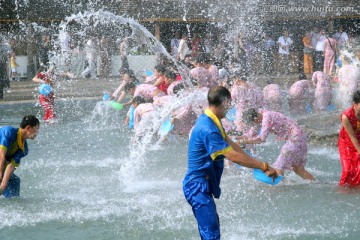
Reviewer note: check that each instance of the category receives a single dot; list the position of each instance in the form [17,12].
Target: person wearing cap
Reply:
[13,147]
[207,148]
[293,155]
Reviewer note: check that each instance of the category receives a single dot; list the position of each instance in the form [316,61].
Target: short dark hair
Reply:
[160,68]
[206,58]
[170,74]
[128,72]
[178,88]
[199,59]
[128,86]
[356,97]
[250,115]
[29,120]
[138,100]
[217,95]
[188,55]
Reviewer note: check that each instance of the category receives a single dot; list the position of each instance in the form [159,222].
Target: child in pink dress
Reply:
[323,91]
[201,75]
[126,76]
[144,113]
[272,97]
[293,155]
[299,95]
[147,91]
[170,79]
[213,70]
[246,96]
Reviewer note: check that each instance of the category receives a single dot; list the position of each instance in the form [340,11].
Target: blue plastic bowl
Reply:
[149,73]
[262,177]
[45,89]
[106,96]
[231,114]
[166,127]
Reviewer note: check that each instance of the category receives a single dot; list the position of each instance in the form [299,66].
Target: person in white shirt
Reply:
[284,43]
[314,34]
[341,38]
[183,47]
[174,44]
[91,51]
[319,52]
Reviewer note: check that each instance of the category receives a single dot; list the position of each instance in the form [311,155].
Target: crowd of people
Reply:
[320,48]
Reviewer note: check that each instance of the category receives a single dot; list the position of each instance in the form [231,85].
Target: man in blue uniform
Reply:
[208,146]
[13,147]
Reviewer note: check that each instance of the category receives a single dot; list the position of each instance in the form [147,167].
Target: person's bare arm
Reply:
[308,46]
[122,96]
[2,161]
[158,81]
[38,80]
[237,155]
[126,121]
[350,131]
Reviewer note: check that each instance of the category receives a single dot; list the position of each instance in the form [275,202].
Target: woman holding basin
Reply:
[293,155]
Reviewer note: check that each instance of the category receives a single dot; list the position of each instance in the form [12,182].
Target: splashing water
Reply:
[96,182]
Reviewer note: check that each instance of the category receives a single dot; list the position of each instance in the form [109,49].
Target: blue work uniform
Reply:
[205,166]
[16,148]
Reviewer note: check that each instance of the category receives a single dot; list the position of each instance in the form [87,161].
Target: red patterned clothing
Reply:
[349,156]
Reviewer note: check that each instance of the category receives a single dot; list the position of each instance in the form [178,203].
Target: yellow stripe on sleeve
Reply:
[3,147]
[220,152]
[14,163]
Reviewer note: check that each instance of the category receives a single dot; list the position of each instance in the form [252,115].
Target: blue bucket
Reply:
[262,177]
[106,96]
[45,89]
[166,127]
[149,73]
[231,114]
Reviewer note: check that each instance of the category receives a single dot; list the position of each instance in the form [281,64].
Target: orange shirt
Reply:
[307,40]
